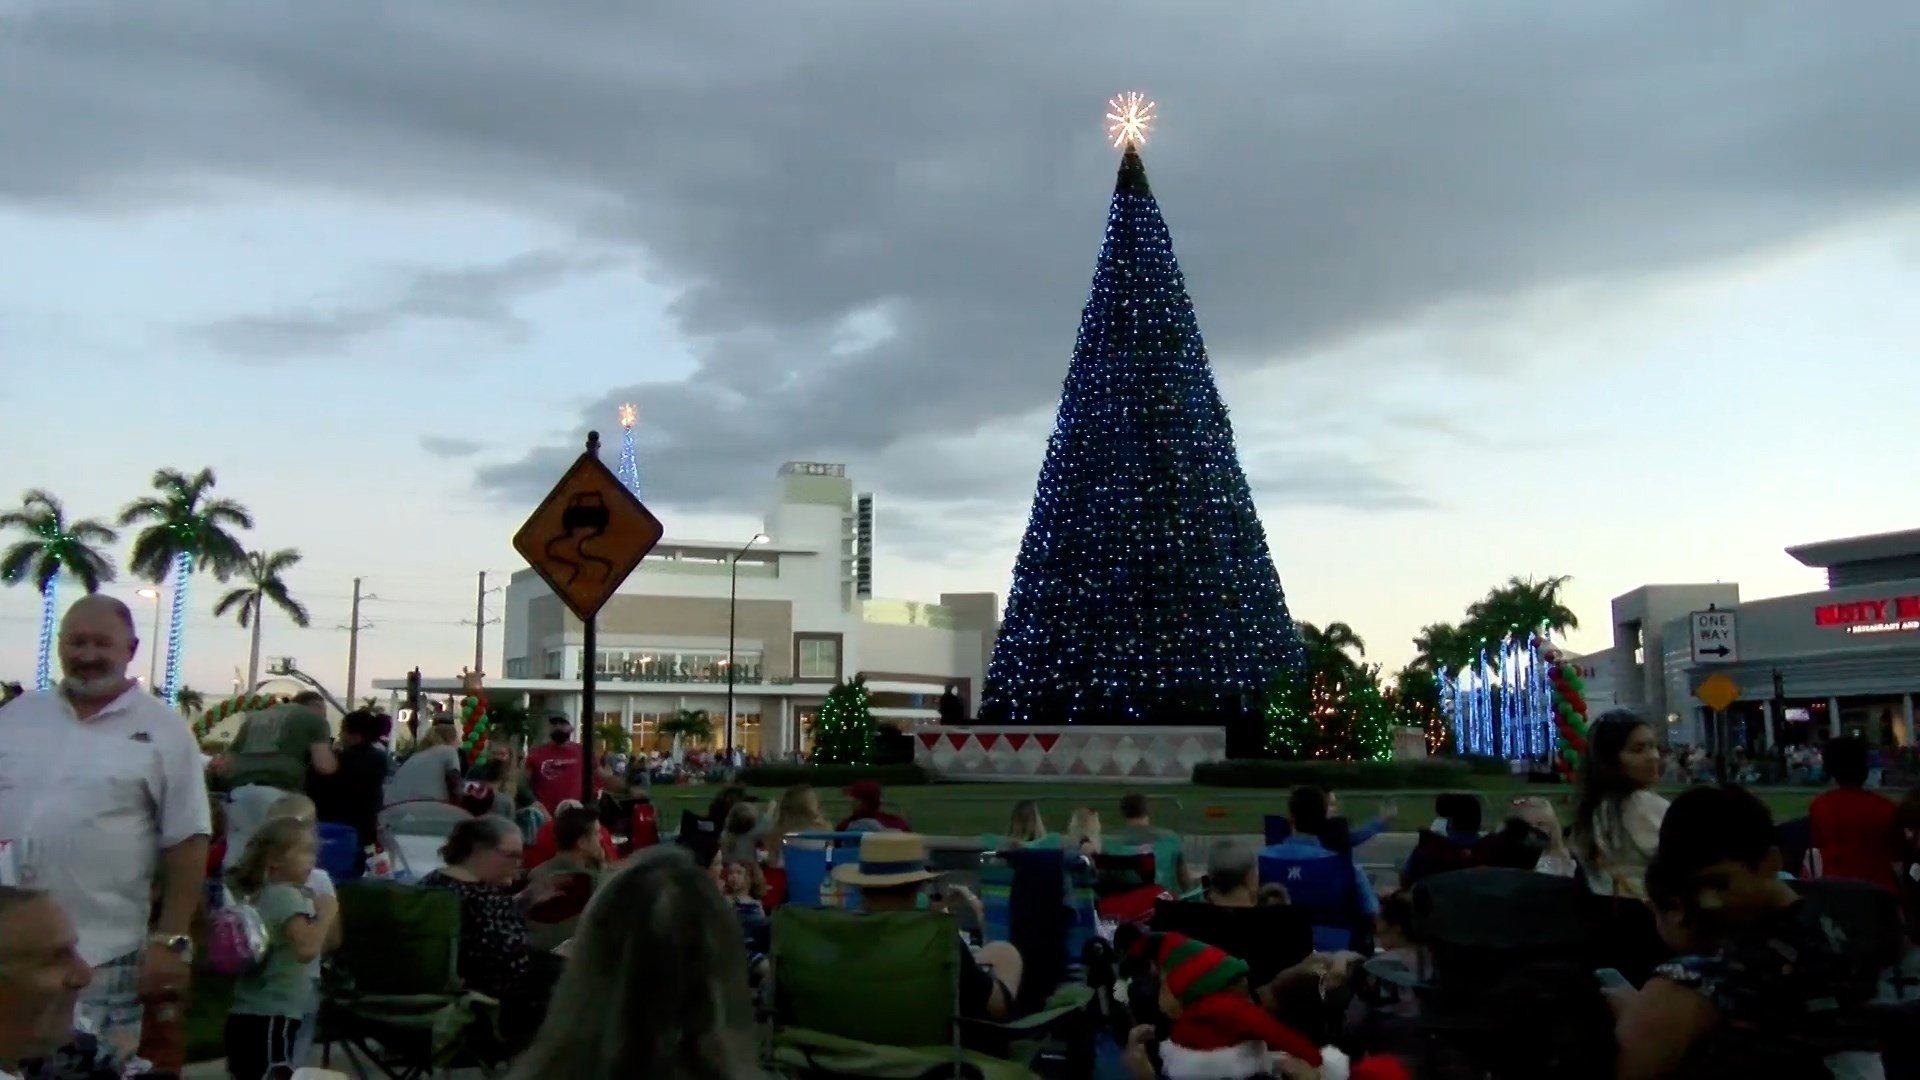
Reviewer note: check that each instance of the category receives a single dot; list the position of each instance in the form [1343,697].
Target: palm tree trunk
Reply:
[176,627]
[43,670]
[253,660]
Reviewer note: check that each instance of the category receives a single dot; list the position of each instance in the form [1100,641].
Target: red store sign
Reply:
[1862,616]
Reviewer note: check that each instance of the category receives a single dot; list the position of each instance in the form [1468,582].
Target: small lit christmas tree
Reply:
[1290,730]
[1371,724]
[843,732]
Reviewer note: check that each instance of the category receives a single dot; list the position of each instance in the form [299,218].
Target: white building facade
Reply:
[801,617]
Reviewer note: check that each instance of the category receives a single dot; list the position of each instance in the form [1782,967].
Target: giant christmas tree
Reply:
[1144,591]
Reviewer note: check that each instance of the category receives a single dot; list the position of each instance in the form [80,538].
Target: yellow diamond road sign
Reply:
[1717,691]
[588,536]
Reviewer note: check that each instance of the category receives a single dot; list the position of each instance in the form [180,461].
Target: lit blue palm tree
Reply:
[54,546]
[187,532]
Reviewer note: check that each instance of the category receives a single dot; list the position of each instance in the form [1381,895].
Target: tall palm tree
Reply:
[264,583]
[53,546]
[187,531]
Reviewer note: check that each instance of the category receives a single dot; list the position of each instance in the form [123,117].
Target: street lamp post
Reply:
[733,604]
[153,643]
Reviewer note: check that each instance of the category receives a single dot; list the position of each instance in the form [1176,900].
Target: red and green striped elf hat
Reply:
[1191,969]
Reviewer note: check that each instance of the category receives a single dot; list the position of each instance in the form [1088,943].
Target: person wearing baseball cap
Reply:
[890,874]
[867,814]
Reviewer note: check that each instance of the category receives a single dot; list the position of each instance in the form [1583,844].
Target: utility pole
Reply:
[353,628]
[479,623]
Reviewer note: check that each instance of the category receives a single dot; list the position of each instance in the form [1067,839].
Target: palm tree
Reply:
[1328,651]
[1441,645]
[264,583]
[54,545]
[189,701]
[612,737]
[694,724]
[1520,607]
[188,531]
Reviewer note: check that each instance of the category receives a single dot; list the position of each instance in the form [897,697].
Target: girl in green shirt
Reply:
[269,1000]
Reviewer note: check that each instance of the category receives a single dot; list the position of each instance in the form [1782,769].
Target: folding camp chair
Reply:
[879,995]
[392,994]
[1325,889]
[1270,939]
[339,853]
[414,832]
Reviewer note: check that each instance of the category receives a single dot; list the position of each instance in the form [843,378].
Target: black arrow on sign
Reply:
[1717,650]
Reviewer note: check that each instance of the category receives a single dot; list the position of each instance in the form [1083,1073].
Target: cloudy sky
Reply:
[1624,293]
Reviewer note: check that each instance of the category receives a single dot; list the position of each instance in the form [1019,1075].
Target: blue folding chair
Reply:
[1324,887]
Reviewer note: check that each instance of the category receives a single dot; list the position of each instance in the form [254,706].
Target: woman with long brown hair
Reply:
[655,983]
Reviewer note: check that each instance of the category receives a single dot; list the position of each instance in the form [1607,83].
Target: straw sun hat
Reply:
[887,858]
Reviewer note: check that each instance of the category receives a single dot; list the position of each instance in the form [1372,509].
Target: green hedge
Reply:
[1381,775]
[833,776]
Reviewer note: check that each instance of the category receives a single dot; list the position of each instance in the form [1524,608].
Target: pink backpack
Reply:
[236,938]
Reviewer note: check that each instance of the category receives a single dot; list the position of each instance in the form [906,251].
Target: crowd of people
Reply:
[124,856]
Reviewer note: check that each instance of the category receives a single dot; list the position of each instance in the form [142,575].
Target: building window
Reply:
[819,658]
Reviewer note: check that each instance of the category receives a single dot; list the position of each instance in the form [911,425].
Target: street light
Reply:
[733,603]
[153,643]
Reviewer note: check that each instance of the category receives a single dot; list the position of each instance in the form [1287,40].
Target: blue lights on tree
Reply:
[1144,590]
[629,469]
[177,625]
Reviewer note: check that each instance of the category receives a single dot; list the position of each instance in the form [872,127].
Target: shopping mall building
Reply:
[802,616]
[1843,659]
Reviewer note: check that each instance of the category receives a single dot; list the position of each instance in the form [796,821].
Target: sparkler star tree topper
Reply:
[1144,592]
[1130,119]
[629,469]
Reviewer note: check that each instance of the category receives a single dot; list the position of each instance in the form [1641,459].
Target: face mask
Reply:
[560,737]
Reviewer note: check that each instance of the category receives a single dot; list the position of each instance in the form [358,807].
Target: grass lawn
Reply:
[965,809]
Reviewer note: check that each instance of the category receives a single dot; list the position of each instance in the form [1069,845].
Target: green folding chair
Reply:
[391,994]
[878,995]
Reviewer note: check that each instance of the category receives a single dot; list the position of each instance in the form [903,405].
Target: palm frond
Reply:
[153,553]
[226,512]
[276,591]
[92,568]
[279,562]
[13,564]
[90,531]
[236,596]
[146,508]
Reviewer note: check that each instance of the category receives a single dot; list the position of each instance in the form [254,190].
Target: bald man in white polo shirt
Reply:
[102,787]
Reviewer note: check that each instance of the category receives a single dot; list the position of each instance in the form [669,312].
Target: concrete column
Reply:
[1833,717]
[626,712]
[1768,719]
[1905,736]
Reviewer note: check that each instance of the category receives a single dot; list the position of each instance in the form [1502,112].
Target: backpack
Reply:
[236,938]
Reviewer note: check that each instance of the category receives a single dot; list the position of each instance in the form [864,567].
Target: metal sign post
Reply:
[585,538]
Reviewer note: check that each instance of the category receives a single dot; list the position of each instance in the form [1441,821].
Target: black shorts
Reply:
[256,1045]
[977,983]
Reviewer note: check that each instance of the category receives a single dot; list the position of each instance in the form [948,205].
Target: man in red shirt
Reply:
[866,808]
[553,770]
[1854,830]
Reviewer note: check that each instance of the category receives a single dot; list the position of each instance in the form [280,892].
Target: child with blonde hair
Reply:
[273,998]
[326,909]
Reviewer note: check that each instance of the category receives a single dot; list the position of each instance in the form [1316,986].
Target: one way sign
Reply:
[1716,637]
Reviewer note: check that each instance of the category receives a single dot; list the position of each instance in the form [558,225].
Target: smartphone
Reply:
[1611,979]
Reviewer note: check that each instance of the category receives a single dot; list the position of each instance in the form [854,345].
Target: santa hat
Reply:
[1191,969]
[1381,1067]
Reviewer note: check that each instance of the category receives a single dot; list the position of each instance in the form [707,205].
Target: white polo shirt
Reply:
[90,804]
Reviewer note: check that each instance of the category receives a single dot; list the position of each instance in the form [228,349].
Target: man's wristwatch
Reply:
[178,944]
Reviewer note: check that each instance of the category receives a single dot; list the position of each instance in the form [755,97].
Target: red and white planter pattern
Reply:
[1084,753]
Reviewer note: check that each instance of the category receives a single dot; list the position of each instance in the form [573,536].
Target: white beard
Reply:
[104,686]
